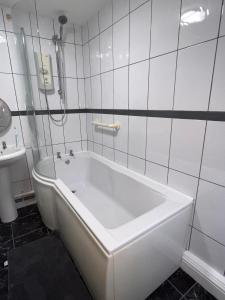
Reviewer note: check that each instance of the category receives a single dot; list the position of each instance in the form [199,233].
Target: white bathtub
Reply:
[125,232]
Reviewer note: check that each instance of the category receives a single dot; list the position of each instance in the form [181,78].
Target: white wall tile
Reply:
[81,91]
[94,56]
[186,145]
[88,98]
[137,136]
[14,52]
[79,61]
[89,127]
[86,54]
[106,50]
[156,172]
[97,132]
[71,93]
[20,19]
[196,32]
[56,131]
[208,250]
[158,140]
[5,62]
[7,92]
[136,164]
[121,136]
[165,25]
[209,212]
[72,128]
[218,88]
[78,34]
[107,133]
[121,158]
[138,85]
[107,90]
[135,3]
[90,146]
[105,16]
[140,33]
[121,43]
[45,27]
[121,88]
[194,75]
[26,130]
[120,9]
[161,82]
[98,149]
[183,183]
[83,120]
[21,91]
[96,91]
[213,161]
[70,60]
[93,28]
[108,153]
[84,33]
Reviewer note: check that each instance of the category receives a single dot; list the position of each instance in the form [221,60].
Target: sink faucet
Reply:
[4,146]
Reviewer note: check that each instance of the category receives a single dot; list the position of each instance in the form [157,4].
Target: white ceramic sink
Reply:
[8,156]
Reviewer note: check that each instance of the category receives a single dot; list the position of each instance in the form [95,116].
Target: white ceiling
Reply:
[77,11]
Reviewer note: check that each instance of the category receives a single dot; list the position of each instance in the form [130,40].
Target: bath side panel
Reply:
[95,266]
[148,261]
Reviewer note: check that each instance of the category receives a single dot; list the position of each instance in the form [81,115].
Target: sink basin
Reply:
[10,155]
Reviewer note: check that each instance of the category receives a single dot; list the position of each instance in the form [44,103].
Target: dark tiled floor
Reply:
[28,227]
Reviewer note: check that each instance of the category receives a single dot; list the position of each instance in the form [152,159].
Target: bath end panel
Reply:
[144,264]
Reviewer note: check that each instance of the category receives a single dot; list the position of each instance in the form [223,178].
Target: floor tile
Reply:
[198,293]
[165,292]
[182,281]
[28,210]
[3,284]
[4,248]
[26,224]
[30,237]
[5,232]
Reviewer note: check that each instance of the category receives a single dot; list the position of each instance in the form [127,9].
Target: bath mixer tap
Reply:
[71,153]
[59,155]
[4,146]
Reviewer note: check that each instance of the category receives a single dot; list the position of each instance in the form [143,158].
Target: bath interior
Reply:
[112,151]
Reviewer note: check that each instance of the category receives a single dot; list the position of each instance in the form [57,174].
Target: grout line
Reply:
[185,294]
[174,91]
[148,89]
[175,287]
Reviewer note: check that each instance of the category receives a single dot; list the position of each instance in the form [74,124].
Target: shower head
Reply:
[62,20]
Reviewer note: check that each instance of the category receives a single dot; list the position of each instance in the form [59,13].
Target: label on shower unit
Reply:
[44,71]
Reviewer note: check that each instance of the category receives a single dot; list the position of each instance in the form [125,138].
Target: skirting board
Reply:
[205,275]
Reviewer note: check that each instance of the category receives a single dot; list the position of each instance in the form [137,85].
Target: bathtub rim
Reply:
[112,240]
